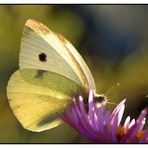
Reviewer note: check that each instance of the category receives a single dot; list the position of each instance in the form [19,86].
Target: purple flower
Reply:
[102,126]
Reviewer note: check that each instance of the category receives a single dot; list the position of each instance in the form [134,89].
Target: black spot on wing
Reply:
[40,74]
[42,57]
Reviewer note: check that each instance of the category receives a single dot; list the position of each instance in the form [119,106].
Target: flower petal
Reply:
[131,123]
[102,126]
[120,114]
[114,129]
[91,109]
[117,109]
[99,114]
[126,123]
[141,120]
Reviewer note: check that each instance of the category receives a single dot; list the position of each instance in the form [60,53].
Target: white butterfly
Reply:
[51,72]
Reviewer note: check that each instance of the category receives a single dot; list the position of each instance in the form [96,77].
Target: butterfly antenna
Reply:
[118,84]
[112,103]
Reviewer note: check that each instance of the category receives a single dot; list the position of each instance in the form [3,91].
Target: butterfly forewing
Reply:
[90,84]
[33,46]
[61,56]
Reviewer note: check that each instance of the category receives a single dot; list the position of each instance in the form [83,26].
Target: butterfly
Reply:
[50,72]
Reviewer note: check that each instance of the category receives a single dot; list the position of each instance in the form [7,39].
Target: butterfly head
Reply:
[102,99]
[99,99]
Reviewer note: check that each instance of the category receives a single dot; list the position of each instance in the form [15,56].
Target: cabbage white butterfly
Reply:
[51,72]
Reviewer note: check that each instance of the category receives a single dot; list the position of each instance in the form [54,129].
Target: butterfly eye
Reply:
[42,57]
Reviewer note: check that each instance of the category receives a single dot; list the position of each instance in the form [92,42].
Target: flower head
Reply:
[103,126]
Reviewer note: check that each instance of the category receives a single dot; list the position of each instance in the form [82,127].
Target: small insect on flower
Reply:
[103,126]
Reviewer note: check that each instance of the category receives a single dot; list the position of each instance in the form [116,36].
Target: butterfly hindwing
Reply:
[37,98]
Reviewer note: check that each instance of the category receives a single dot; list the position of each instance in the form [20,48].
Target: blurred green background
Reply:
[112,39]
